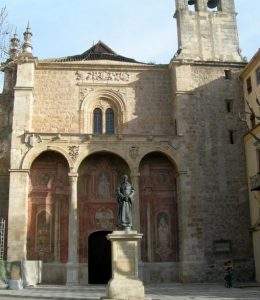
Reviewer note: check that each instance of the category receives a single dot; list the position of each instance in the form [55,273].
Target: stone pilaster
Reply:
[18,215]
[72,265]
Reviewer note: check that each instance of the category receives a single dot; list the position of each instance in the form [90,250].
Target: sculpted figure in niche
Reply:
[103,187]
[125,198]
[163,246]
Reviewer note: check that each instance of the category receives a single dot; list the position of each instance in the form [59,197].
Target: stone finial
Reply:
[14,46]
[27,45]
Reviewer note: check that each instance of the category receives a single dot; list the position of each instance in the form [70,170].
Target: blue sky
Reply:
[141,29]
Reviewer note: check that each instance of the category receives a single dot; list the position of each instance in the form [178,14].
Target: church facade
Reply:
[72,126]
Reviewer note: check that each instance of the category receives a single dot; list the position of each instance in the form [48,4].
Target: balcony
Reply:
[255,182]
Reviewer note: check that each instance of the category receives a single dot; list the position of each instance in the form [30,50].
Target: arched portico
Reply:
[34,152]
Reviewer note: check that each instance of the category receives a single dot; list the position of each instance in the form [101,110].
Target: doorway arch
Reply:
[99,258]
[99,176]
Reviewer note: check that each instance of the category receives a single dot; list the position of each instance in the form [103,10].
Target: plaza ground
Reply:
[154,292]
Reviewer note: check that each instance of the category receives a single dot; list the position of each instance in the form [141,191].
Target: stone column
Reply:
[18,215]
[136,207]
[72,265]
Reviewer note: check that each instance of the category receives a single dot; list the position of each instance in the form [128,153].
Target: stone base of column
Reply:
[72,274]
[125,284]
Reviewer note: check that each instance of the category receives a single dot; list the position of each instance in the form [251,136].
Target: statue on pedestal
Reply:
[125,198]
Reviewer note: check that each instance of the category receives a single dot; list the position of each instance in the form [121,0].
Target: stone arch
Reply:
[33,153]
[171,154]
[158,207]
[88,152]
[99,174]
[48,208]
[101,99]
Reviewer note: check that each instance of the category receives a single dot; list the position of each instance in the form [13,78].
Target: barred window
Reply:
[110,121]
[97,121]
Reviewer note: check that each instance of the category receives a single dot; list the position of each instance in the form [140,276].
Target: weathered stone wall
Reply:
[5,125]
[59,97]
[216,206]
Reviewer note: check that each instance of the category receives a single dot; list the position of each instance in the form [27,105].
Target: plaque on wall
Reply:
[222,246]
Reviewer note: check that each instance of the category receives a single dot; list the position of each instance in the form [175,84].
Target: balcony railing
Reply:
[255,182]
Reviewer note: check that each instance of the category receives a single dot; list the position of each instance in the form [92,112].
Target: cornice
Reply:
[230,64]
[99,66]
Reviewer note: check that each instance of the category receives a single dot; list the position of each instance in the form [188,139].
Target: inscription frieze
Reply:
[101,76]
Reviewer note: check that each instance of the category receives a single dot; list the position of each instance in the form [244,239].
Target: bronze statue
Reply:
[125,198]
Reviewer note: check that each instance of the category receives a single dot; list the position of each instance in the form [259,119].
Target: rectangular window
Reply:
[249,85]
[229,105]
[257,75]
[228,74]
[231,137]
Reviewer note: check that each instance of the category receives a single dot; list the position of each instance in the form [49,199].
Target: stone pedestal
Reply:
[125,284]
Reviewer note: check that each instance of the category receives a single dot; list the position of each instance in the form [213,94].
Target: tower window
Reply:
[249,85]
[229,105]
[231,137]
[228,74]
[97,121]
[110,121]
[214,5]
[257,74]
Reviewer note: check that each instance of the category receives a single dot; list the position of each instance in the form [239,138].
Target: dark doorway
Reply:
[99,258]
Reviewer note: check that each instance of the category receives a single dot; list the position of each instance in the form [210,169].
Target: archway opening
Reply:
[99,258]
[158,209]
[48,204]
[99,176]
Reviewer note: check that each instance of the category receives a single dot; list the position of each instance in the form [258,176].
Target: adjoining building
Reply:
[70,127]
[250,77]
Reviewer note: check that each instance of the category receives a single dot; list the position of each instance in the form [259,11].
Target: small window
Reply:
[229,105]
[97,121]
[249,85]
[257,74]
[231,137]
[228,74]
[110,121]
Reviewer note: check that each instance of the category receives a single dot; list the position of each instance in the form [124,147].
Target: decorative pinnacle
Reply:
[14,46]
[27,45]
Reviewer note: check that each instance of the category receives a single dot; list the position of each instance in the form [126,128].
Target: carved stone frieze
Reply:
[73,152]
[134,152]
[32,139]
[101,76]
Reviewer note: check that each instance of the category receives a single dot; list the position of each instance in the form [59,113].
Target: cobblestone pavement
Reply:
[155,292]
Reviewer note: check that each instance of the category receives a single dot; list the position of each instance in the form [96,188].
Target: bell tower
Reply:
[207,30]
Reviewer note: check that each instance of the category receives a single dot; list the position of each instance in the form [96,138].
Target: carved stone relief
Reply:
[73,152]
[100,76]
[134,152]
[104,218]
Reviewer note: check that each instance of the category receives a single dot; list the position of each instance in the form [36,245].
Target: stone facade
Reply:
[170,122]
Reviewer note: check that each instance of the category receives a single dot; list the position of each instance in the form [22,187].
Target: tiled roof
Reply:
[99,51]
